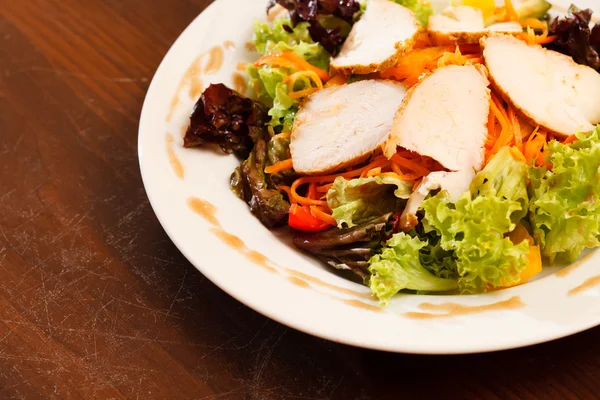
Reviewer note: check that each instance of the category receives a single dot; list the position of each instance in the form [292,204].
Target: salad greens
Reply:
[492,236]
[474,230]
[267,81]
[466,238]
[575,38]
[399,266]
[565,206]
[328,20]
[352,201]
[347,248]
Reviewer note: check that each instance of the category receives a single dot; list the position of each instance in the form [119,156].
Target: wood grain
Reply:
[96,302]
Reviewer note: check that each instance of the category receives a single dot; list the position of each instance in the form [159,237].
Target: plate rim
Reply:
[283,318]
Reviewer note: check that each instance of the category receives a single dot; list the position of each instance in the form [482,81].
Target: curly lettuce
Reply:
[399,267]
[475,229]
[267,81]
[466,241]
[506,178]
[565,201]
[352,201]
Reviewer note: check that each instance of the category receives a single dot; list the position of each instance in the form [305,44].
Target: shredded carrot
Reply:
[276,60]
[516,127]
[396,169]
[545,40]
[307,75]
[534,148]
[302,199]
[337,81]
[531,38]
[291,60]
[318,213]
[279,166]
[419,61]
[413,166]
[305,65]
[570,139]
[302,93]
[324,188]
[507,131]
[491,126]
[311,193]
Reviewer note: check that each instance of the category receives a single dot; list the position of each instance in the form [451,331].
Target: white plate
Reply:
[294,289]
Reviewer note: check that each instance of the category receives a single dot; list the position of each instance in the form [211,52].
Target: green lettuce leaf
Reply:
[399,267]
[267,81]
[440,262]
[506,178]
[421,8]
[565,203]
[352,201]
[474,230]
[267,37]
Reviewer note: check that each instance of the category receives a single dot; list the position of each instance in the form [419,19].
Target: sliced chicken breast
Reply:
[444,117]
[386,31]
[464,25]
[547,87]
[342,125]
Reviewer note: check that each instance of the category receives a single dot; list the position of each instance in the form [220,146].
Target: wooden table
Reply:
[95,300]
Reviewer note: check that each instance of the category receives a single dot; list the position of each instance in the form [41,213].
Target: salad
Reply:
[452,152]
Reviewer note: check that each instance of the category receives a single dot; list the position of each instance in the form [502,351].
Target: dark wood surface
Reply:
[96,302]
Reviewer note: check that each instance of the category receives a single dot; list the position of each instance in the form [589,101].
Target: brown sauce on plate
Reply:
[259,259]
[173,159]
[331,286]
[205,209]
[173,107]
[239,83]
[453,309]
[567,270]
[360,304]
[208,211]
[298,282]
[190,79]
[588,284]
[230,240]
[215,60]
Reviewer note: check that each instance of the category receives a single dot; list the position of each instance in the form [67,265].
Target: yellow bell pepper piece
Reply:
[487,7]
[534,257]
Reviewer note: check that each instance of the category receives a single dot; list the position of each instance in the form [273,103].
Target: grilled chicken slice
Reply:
[464,25]
[342,125]
[548,88]
[386,31]
[444,117]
